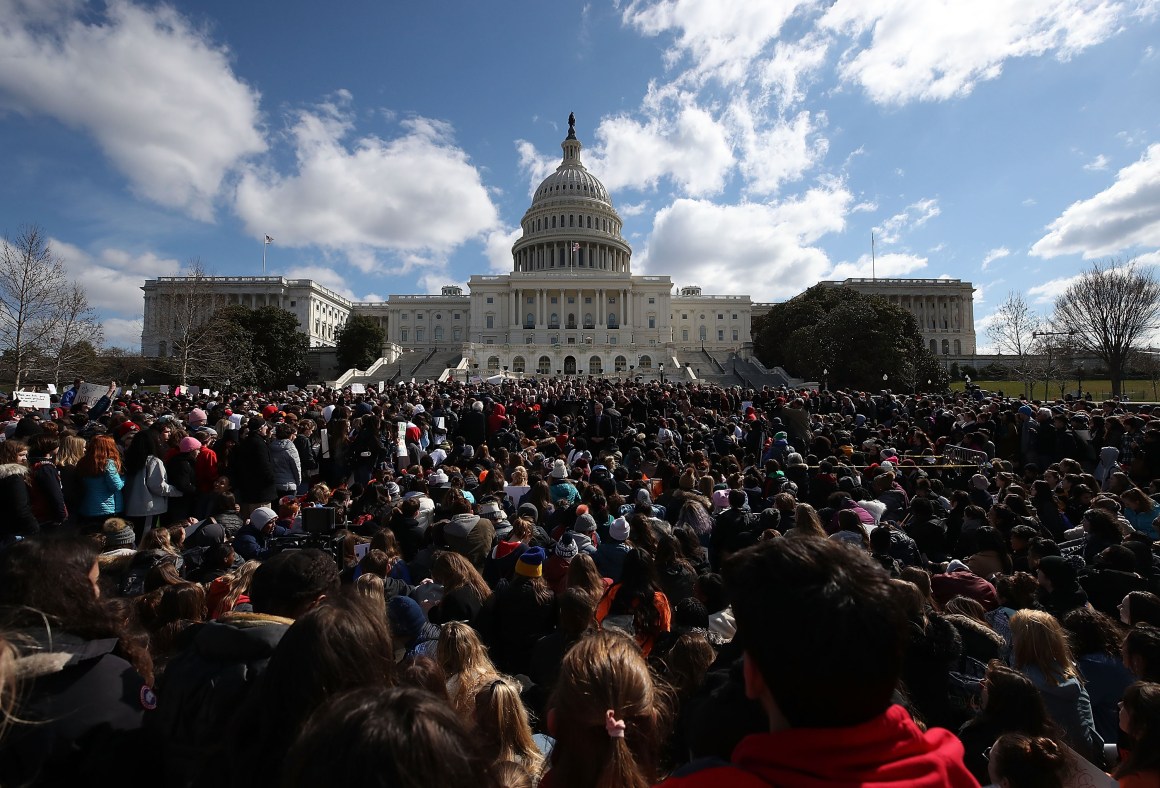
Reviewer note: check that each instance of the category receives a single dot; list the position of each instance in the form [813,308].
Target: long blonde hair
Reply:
[1038,639]
[464,660]
[502,723]
[71,450]
[239,584]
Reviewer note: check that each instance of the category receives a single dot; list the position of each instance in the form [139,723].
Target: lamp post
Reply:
[885,378]
[661,366]
[1079,379]
[825,379]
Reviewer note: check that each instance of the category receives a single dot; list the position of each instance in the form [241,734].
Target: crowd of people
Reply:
[576,582]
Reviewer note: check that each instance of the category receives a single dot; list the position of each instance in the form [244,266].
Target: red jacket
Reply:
[889,750]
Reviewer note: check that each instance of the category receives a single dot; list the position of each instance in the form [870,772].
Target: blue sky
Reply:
[751,146]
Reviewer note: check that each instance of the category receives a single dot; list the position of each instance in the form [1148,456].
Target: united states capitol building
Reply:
[570,305]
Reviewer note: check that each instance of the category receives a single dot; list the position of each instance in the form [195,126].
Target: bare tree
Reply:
[33,284]
[1113,306]
[76,337]
[199,351]
[1011,332]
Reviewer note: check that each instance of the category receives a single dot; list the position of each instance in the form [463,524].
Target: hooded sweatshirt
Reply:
[889,750]
[1108,464]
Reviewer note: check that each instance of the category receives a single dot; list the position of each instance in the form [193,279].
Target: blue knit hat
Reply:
[406,617]
[531,562]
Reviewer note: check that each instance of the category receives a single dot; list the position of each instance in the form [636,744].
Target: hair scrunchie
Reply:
[613,726]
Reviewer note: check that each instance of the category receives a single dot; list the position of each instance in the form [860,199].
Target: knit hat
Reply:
[196,416]
[531,562]
[566,548]
[492,511]
[980,481]
[559,470]
[585,524]
[188,444]
[406,617]
[688,479]
[643,496]
[261,516]
[618,531]
[529,511]
[439,477]
[118,534]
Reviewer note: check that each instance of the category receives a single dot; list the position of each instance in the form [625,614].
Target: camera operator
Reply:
[253,539]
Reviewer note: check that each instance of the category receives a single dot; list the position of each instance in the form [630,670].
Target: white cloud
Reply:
[159,97]
[632,209]
[722,38]
[765,250]
[120,332]
[883,265]
[1047,292]
[995,254]
[934,50]
[498,249]
[112,278]
[535,166]
[1097,164]
[1126,215]
[792,64]
[914,216]
[688,146]
[415,194]
[325,276]
[782,151]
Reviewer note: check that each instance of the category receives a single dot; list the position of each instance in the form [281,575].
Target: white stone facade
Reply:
[944,308]
[571,302]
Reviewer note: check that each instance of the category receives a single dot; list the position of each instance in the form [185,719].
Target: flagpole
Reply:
[265,243]
[873,259]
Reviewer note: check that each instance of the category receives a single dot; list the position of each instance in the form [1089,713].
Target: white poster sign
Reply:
[51,388]
[34,399]
[90,393]
[401,438]
[358,388]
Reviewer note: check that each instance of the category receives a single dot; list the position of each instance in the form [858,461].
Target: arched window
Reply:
[569,365]
[518,364]
[704,333]
[530,321]
[588,320]
[589,222]
[544,366]
[490,321]
[620,363]
[645,362]
[457,334]
[418,335]
[594,366]
[958,347]
[612,320]
[438,333]
[946,346]
[934,346]
[554,322]
[571,320]
[493,363]
[553,222]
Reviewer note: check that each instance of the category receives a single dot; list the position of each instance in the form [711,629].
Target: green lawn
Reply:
[1136,390]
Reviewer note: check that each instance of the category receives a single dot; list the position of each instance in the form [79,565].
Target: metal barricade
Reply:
[961,455]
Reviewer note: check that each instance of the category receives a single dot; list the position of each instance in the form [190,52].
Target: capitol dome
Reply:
[571,222]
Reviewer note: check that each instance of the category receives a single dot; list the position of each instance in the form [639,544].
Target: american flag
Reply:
[575,247]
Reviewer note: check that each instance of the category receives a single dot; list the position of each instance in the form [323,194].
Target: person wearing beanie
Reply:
[253,540]
[197,418]
[522,611]
[556,568]
[560,488]
[611,552]
[181,469]
[411,627]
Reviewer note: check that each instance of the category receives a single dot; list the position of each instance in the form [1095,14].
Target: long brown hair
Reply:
[464,659]
[453,571]
[605,673]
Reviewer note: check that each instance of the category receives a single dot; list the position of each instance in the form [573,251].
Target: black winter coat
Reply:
[204,686]
[252,471]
